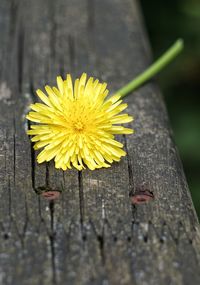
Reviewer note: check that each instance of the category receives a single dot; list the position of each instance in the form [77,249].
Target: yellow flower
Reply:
[76,125]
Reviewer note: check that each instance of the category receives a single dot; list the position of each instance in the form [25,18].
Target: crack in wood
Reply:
[52,237]
[32,151]
[39,209]
[9,198]
[47,175]
[25,227]
[14,151]
[32,91]
[81,203]
[130,167]
[4,231]
[100,238]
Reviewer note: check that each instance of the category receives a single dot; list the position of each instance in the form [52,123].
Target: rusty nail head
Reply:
[142,196]
[51,195]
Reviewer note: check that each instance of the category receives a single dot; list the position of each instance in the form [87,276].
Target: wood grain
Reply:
[93,234]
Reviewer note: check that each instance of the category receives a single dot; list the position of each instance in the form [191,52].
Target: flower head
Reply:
[77,124]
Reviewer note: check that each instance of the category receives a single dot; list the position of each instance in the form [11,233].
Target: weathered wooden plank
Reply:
[92,234]
[19,247]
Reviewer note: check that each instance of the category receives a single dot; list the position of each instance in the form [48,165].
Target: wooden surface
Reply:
[92,234]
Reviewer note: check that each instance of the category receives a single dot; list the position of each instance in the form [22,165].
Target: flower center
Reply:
[78,126]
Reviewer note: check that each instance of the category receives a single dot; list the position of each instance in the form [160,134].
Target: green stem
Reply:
[151,71]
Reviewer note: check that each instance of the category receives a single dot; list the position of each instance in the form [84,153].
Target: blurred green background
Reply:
[180,82]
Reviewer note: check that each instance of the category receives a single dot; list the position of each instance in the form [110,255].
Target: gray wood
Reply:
[92,234]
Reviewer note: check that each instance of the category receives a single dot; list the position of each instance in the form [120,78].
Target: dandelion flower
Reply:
[76,124]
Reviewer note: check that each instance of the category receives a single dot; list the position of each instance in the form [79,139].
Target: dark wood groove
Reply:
[52,237]
[100,239]
[32,161]
[47,175]
[9,198]
[14,151]
[130,168]
[81,198]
